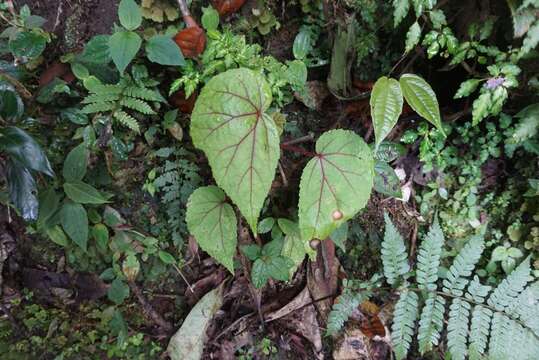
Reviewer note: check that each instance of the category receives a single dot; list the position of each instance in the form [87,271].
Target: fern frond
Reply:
[500,328]
[108,89]
[527,307]
[479,331]
[394,257]
[457,328]
[126,120]
[431,322]
[143,93]
[98,98]
[506,293]
[98,107]
[428,257]
[345,304]
[463,266]
[404,319]
[137,105]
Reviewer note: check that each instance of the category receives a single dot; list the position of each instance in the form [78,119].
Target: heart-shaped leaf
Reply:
[123,47]
[386,106]
[213,224]
[335,184]
[230,124]
[161,49]
[421,98]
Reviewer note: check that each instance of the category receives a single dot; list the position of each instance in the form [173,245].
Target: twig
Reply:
[184,9]
[283,175]
[148,310]
[298,150]
[184,278]
[300,140]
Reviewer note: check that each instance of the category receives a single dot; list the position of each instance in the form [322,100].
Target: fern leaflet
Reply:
[394,255]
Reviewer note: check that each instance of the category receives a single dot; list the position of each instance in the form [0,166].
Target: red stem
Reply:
[298,150]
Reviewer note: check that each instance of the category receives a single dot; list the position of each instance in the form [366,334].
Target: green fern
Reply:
[481,324]
[394,257]
[124,99]
[177,179]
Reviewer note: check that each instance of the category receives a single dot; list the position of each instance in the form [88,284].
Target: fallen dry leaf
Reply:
[227,7]
[191,41]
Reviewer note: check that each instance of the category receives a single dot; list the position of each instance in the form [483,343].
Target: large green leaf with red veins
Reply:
[211,220]
[231,125]
[335,184]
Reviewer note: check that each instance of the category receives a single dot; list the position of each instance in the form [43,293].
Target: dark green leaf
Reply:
[340,235]
[265,225]
[75,223]
[27,44]
[386,181]
[22,190]
[118,291]
[76,116]
[96,51]
[161,49]
[11,104]
[252,251]
[75,163]
[83,193]
[166,257]
[101,235]
[389,151]
[302,44]
[23,148]
[49,202]
[259,273]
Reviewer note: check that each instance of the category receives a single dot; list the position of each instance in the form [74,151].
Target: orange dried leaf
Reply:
[192,41]
[227,7]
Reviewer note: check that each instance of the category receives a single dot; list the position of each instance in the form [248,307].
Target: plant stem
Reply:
[297,150]
[184,9]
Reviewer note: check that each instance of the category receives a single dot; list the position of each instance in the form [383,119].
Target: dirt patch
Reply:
[73,22]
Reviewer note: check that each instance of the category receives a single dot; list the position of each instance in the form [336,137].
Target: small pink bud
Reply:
[314,243]
[337,215]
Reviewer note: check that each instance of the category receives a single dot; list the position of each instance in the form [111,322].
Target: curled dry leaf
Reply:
[184,105]
[227,7]
[191,40]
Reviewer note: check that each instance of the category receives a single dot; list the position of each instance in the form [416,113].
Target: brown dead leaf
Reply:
[191,41]
[227,7]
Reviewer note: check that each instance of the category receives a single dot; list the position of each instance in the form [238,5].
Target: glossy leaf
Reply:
[302,44]
[74,220]
[213,224]
[22,190]
[83,193]
[75,163]
[420,96]
[161,49]
[129,14]
[386,106]
[57,236]
[20,146]
[335,184]
[11,104]
[231,125]
[188,342]
[124,46]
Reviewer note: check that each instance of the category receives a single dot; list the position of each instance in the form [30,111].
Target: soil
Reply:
[73,22]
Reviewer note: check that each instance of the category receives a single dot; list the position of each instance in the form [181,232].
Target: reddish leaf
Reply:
[370,324]
[192,41]
[184,105]
[227,7]
[56,70]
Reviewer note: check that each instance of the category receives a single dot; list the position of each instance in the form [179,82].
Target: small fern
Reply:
[178,178]
[481,323]
[130,94]
[349,300]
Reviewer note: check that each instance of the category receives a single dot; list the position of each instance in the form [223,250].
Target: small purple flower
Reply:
[493,83]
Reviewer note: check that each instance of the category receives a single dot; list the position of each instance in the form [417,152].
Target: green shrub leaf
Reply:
[386,106]
[412,36]
[83,193]
[129,14]
[75,163]
[161,49]
[123,47]
[27,44]
[386,180]
[213,224]
[421,98]
[74,220]
[335,184]
[230,124]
